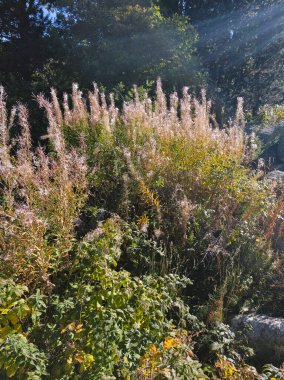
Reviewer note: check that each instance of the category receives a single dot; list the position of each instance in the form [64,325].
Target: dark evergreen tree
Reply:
[23,43]
[240,42]
[118,42]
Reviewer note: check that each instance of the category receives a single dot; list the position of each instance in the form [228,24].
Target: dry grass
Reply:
[174,151]
[40,198]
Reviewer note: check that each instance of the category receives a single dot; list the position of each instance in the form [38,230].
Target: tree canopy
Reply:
[232,47]
[116,43]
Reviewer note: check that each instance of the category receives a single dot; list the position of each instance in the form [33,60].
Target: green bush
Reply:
[129,240]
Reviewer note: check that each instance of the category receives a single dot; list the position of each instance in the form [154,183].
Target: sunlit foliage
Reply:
[105,227]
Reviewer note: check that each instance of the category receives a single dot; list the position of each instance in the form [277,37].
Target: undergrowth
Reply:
[128,238]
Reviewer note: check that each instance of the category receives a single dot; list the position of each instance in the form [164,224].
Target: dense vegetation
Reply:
[128,240]
[234,48]
[134,224]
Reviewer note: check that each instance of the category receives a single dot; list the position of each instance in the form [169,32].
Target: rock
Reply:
[276,175]
[272,139]
[271,134]
[265,335]
[269,155]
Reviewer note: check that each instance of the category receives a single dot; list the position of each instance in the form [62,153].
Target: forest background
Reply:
[232,48]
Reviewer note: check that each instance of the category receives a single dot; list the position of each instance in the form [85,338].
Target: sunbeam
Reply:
[250,32]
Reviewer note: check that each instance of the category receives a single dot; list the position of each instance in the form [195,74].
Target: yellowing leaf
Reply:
[70,360]
[170,342]
[153,349]
[13,318]
[79,328]
[79,358]
[70,327]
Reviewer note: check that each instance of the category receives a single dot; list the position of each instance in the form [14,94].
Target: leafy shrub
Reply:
[271,114]
[104,229]
[113,316]
[21,359]
[174,359]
